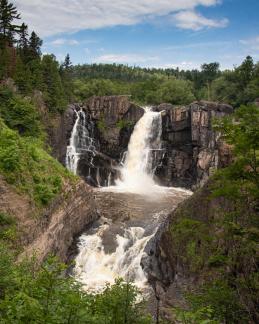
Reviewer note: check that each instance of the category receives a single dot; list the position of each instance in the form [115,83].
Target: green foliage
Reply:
[223,250]
[202,315]
[216,302]
[25,164]
[192,242]
[122,123]
[240,86]
[102,125]
[152,91]
[6,219]
[47,295]
[19,113]
[7,227]
[52,85]
[8,19]
[84,89]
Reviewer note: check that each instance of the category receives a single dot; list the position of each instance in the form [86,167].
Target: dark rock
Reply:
[192,149]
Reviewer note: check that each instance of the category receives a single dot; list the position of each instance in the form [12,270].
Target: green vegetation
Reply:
[25,164]
[47,295]
[19,113]
[21,60]
[153,86]
[122,123]
[222,248]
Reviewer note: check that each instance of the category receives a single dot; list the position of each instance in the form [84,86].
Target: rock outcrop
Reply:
[166,272]
[50,230]
[192,149]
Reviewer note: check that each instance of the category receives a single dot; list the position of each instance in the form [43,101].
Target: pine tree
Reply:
[23,42]
[67,65]
[66,77]
[52,85]
[35,44]
[8,13]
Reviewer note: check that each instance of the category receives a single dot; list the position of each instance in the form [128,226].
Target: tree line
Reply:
[21,60]
[152,86]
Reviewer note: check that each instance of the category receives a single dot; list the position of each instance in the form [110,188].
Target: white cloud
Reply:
[125,58]
[189,19]
[50,17]
[252,43]
[63,41]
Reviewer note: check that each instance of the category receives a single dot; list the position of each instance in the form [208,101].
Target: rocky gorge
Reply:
[191,149]
[97,219]
[188,153]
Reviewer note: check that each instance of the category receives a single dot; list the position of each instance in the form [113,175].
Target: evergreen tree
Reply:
[210,72]
[67,65]
[52,85]
[8,13]
[66,76]
[22,76]
[23,42]
[35,44]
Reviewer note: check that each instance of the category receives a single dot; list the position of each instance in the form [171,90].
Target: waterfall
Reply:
[115,248]
[81,141]
[141,159]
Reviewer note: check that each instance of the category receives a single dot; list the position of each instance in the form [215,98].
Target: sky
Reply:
[147,33]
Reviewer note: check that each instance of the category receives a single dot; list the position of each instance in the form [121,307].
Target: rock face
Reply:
[67,218]
[166,272]
[109,122]
[50,230]
[192,150]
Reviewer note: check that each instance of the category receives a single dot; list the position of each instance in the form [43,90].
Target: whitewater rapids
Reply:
[132,211]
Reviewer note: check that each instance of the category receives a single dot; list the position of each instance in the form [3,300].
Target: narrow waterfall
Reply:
[142,158]
[81,141]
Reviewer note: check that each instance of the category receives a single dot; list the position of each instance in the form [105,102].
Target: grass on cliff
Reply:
[26,165]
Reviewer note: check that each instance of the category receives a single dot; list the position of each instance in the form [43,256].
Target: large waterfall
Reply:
[140,163]
[115,246]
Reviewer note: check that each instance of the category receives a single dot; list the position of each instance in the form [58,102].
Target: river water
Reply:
[131,211]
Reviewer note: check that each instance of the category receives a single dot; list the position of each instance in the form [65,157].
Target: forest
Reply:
[32,293]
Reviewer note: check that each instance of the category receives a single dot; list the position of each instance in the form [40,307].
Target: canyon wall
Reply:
[50,230]
[191,149]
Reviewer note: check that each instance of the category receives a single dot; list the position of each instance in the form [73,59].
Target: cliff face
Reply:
[192,150]
[49,230]
[168,261]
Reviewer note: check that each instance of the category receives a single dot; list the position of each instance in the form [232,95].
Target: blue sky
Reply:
[151,33]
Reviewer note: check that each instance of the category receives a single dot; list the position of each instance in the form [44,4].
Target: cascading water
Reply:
[142,159]
[94,268]
[81,141]
[115,248]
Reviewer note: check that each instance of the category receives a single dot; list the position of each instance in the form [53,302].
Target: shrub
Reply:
[19,114]
[25,164]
